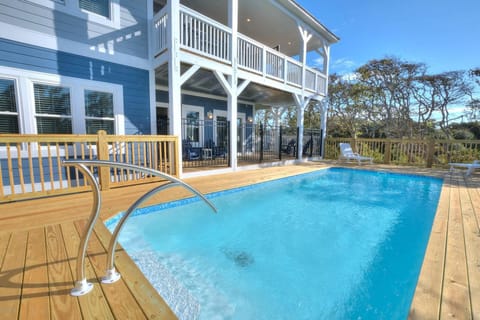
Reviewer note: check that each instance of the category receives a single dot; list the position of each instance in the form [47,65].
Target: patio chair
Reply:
[290,147]
[469,166]
[189,152]
[346,153]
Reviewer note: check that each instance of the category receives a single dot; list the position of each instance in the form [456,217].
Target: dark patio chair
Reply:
[190,153]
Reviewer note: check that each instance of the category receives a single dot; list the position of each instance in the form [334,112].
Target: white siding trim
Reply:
[35,38]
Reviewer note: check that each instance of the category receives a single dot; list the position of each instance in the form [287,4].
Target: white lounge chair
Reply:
[347,153]
[469,166]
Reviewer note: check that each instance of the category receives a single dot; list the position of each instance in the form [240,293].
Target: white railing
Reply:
[204,35]
[160,33]
[310,78]
[250,54]
[321,83]
[294,72]
[275,64]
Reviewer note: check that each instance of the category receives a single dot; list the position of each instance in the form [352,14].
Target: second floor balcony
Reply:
[208,38]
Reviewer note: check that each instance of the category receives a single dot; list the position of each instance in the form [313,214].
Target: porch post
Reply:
[151,74]
[232,103]
[174,85]
[326,58]
[300,114]
[302,101]
[323,126]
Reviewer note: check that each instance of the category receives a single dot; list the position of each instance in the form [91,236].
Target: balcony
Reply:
[203,36]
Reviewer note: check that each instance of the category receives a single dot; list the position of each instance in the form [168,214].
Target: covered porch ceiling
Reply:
[204,81]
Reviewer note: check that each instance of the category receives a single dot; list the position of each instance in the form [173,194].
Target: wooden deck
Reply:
[39,242]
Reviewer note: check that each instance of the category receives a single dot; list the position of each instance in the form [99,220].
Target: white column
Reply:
[233,80]
[326,63]
[174,86]
[300,114]
[323,124]
[151,72]
[302,101]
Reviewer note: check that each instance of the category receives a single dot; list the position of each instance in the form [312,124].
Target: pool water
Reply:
[334,244]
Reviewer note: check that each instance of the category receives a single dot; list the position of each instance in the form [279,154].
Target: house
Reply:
[198,69]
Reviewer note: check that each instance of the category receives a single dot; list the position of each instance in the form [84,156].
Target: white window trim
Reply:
[24,80]
[241,116]
[187,108]
[17,96]
[117,108]
[71,7]
[218,113]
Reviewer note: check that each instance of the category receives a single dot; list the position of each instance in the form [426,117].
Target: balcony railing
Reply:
[205,36]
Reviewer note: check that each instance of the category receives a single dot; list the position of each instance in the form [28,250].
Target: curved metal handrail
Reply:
[112,275]
[82,286]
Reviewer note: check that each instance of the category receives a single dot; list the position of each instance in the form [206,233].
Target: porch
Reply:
[264,53]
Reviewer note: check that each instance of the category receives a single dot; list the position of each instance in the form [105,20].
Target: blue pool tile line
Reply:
[112,222]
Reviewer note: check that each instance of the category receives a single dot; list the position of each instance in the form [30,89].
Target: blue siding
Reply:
[134,81]
[207,103]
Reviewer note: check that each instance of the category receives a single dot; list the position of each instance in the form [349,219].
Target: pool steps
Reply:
[82,286]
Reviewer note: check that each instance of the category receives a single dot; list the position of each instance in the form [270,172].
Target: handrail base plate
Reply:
[81,288]
[111,276]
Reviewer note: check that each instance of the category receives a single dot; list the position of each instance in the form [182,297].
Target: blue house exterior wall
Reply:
[135,81]
[209,104]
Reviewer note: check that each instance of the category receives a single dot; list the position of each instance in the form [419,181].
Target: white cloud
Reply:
[343,66]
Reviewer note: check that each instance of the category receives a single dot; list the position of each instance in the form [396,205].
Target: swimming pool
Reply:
[334,244]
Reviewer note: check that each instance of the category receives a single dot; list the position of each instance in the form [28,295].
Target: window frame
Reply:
[100,118]
[17,95]
[53,116]
[72,7]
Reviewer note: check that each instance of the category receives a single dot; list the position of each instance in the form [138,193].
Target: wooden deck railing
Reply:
[429,153]
[31,165]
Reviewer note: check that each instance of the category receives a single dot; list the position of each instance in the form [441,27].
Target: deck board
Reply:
[34,294]
[12,275]
[39,243]
[122,303]
[427,298]
[455,287]
[60,280]
[94,304]
[471,209]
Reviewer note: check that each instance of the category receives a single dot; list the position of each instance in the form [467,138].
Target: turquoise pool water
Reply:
[334,244]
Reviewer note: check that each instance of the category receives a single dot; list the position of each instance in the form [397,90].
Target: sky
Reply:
[443,34]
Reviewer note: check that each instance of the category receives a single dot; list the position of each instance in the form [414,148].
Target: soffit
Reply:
[204,81]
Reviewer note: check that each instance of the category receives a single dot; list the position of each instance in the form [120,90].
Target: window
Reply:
[193,126]
[52,109]
[99,112]
[100,7]
[8,107]
[38,103]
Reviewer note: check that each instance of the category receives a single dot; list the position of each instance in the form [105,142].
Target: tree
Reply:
[474,104]
[435,93]
[390,82]
[346,107]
